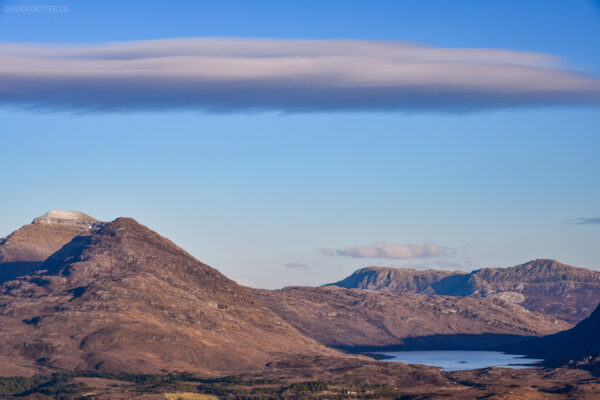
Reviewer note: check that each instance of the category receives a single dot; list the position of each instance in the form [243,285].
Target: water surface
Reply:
[460,359]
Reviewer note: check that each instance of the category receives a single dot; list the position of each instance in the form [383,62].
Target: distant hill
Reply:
[120,297]
[394,280]
[547,286]
[354,319]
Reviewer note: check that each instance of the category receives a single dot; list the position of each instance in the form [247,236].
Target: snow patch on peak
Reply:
[65,217]
[65,214]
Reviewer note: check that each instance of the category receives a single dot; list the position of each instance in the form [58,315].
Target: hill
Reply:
[360,319]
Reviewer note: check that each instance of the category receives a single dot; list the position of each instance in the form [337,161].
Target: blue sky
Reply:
[251,192]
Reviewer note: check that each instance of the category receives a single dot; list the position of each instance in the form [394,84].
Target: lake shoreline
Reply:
[456,360]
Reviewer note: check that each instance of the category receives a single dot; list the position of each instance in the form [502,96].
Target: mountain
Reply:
[119,297]
[579,345]
[25,249]
[546,286]
[394,280]
[360,319]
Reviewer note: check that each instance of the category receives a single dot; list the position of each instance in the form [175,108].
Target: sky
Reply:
[291,143]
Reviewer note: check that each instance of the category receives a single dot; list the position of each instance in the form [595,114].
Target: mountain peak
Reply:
[123,224]
[129,230]
[544,269]
[132,248]
[30,245]
[393,279]
[544,261]
[66,217]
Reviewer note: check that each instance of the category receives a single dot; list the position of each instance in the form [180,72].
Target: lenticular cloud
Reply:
[230,75]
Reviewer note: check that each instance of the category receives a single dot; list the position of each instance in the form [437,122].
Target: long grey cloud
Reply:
[226,75]
[395,251]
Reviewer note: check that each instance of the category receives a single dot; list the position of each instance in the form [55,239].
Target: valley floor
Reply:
[314,378]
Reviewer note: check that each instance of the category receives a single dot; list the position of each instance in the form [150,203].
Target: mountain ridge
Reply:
[542,285]
[399,280]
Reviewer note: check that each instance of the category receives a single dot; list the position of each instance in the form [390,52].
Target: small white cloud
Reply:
[296,265]
[395,251]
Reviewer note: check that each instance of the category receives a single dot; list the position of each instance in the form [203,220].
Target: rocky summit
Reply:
[394,280]
[547,286]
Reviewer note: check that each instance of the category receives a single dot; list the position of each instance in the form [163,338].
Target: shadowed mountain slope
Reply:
[351,318]
[547,286]
[123,298]
[579,345]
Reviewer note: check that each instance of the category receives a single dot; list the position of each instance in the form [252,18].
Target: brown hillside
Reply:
[124,298]
[357,318]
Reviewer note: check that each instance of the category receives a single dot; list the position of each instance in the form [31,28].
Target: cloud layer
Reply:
[394,251]
[227,75]
[584,221]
